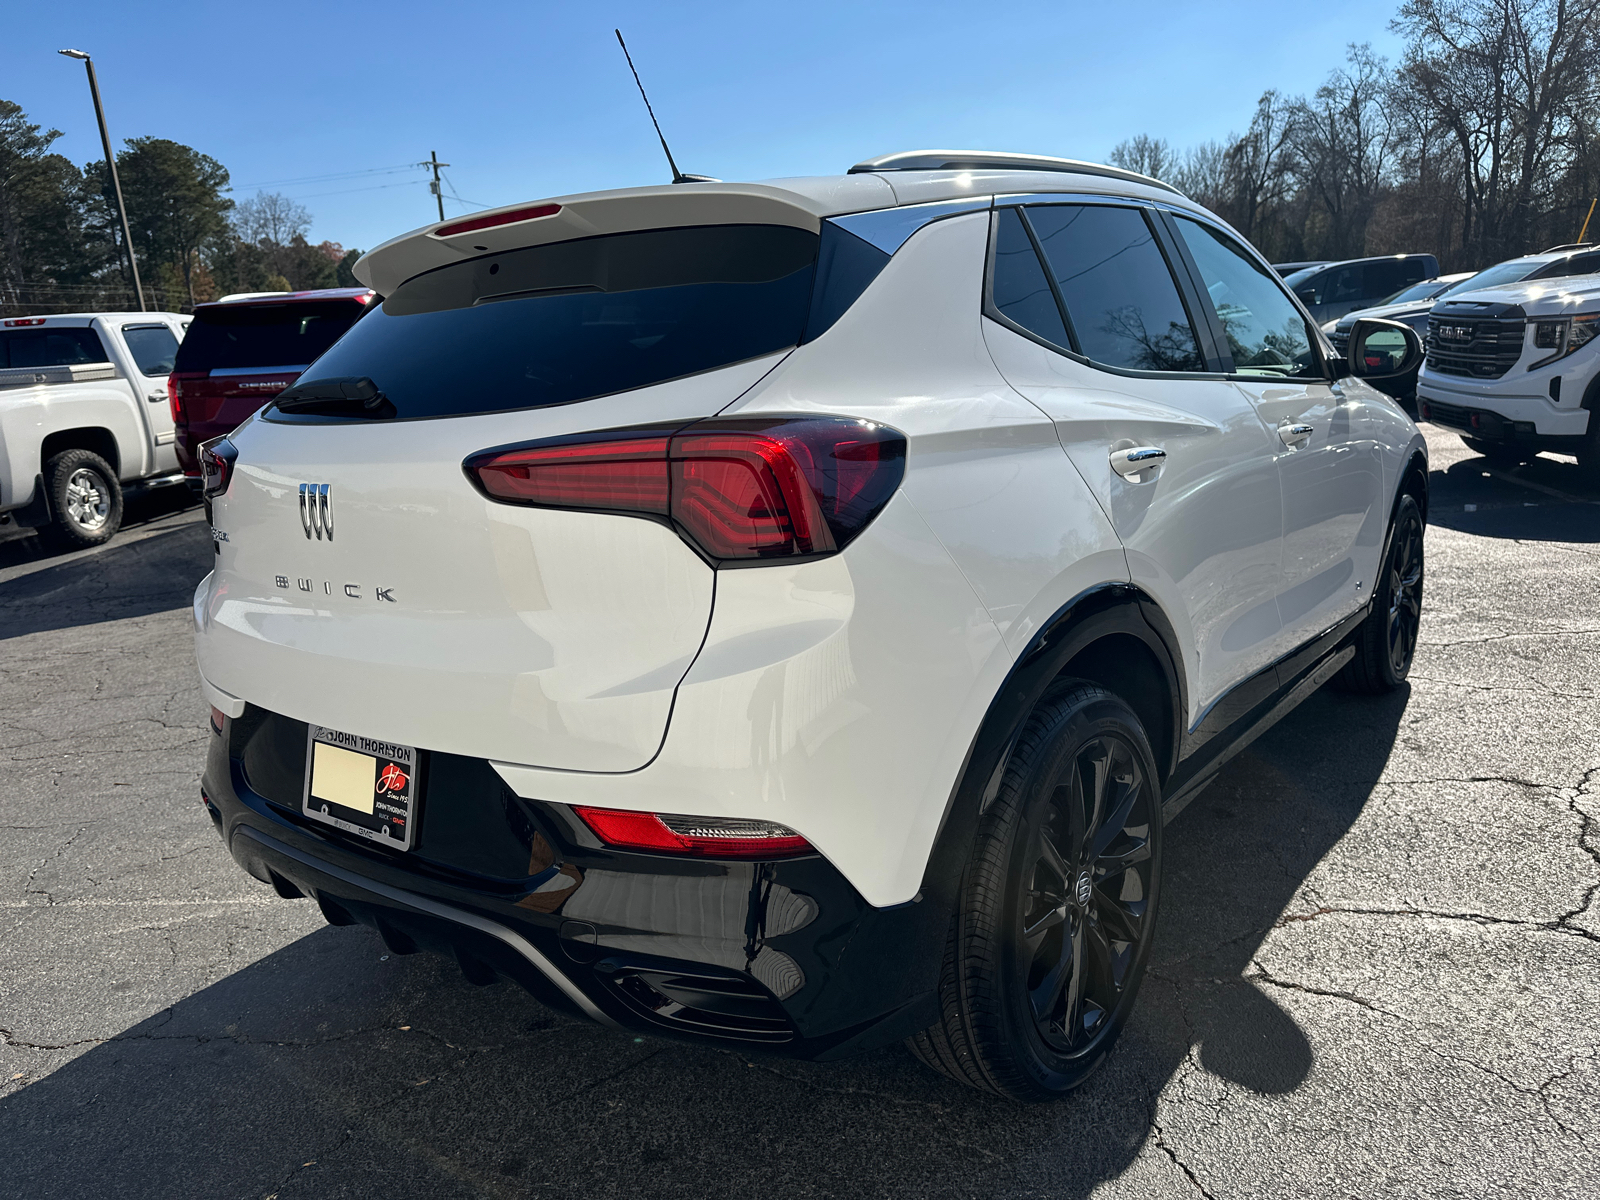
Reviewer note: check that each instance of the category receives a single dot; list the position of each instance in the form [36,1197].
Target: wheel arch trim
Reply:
[1102,611]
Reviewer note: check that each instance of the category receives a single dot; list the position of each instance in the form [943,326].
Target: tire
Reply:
[1386,642]
[1499,454]
[1589,451]
[85,500]
[1056,912]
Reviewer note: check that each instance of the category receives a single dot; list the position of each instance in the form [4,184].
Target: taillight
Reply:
[737,488]
[175,398]
[216,465]
[700,837]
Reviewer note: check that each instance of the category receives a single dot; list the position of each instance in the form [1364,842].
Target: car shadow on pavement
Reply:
[1542,500]
[135,578]
[327,1068]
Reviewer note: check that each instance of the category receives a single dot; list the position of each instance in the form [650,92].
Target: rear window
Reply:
[264,336]
[50,347]
[573,320]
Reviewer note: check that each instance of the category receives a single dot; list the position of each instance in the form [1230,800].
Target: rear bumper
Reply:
[784,955]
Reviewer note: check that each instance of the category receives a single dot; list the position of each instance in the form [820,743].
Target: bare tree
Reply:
[1203,173]
[272,223]
[1146,155]
[1511,82]
[1342,149]
[1257,165]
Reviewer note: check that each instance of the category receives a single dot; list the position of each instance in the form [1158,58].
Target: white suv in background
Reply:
[785,613]
[1516,369]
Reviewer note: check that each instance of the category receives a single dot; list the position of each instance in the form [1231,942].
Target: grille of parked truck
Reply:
[1516,369]
[84,417]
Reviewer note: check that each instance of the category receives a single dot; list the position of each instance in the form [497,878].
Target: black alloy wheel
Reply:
[1386,642]
[1403,587]
[1058,905]
[1082,919]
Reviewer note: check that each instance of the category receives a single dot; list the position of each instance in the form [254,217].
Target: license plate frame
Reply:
[389,815]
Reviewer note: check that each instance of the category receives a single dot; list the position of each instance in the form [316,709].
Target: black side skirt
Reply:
[1269,696]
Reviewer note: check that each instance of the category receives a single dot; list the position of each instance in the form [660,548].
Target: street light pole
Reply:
[111,165]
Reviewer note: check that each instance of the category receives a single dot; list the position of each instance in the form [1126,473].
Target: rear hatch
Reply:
[435,617]
[238,356]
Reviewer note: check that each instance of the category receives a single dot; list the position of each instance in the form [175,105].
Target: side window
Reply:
[51,348]
[1020,290]
[1123,307]
[1387,278]
[153,348]
[1578,264]
[1345,285]
[1266,333]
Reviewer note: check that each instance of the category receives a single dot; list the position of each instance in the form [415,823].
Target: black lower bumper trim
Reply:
[423,904]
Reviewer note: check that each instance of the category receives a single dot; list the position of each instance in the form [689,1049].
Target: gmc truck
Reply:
[84,417]
[1516,369]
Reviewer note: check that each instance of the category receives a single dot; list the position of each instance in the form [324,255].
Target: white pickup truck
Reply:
[83,415]
[1515,369]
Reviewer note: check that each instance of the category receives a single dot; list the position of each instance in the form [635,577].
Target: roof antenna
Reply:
[677,175]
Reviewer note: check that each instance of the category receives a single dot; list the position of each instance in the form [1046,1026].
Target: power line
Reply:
[330,178]
[460,199]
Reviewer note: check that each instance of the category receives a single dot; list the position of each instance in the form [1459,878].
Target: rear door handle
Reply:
[1294,436]
[1138,464]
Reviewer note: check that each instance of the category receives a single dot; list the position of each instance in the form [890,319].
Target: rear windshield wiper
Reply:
[353,395]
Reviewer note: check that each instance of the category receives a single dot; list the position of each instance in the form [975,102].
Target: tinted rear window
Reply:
[573,320]
[50,347]
[233,337]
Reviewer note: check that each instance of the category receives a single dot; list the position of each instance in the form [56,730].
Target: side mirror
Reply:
[1382,349]
[1307,295]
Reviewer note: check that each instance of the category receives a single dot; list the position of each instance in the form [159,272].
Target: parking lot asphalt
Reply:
[1376,974]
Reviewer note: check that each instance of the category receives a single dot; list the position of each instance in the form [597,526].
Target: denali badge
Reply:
[316,510]
[1453,333]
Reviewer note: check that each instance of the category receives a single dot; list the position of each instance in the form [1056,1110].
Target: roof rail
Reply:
[996,160]
[1567,246]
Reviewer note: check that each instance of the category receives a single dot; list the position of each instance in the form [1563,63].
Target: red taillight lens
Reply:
[739,488]
[217,717]
[701,837]
[216,466]
[175,398]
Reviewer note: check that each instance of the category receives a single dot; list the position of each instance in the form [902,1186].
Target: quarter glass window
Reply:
[1121,300]
[1266,333]
[1021,291]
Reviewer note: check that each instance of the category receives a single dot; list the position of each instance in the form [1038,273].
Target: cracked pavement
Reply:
[1376,971]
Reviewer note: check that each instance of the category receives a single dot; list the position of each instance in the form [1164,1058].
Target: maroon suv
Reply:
[239,354]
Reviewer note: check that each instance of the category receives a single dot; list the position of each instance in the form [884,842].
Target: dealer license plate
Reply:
[362,786]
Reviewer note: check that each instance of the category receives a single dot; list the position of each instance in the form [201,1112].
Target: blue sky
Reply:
[530,99]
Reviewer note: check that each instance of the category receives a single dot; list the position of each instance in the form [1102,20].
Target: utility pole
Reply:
[116,184]
[433,161]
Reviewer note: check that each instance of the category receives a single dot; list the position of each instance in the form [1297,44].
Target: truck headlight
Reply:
[1563,336]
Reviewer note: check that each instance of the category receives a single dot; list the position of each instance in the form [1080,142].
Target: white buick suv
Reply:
[786,613]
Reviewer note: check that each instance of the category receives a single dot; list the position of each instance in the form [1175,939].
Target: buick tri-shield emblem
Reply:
[316,510]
